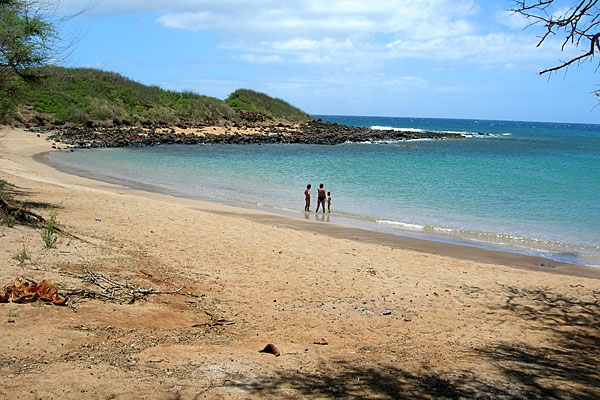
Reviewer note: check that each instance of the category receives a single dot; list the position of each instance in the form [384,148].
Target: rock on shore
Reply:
[313,132]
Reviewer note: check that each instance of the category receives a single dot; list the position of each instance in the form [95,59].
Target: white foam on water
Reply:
[391,128]
[417,130]
[437,229]
[391,141]
[404,225]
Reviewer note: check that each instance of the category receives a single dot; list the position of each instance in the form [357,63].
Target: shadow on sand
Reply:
[565,367]
[20,197]
[348,381]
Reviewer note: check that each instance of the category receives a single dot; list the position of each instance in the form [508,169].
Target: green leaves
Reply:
[249,100]
[26,41]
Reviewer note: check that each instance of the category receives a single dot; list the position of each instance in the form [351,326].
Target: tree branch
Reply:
[579,24]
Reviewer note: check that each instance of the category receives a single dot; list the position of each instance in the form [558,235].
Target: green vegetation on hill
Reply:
[83,96]
[249,100]
[34,93]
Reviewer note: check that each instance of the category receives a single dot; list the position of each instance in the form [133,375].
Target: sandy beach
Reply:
[354,314]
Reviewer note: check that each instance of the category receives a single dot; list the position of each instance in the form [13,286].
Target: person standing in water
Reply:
[307,198]
[328,202]
[321,197]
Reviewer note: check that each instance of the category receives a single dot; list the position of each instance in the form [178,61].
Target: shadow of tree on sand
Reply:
[567,365]
[563,367]
[350,381]
[20,197]
[37,205]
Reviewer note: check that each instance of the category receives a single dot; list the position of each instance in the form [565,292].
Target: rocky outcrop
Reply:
[313,132]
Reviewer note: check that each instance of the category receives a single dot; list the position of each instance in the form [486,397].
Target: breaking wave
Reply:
[416,130]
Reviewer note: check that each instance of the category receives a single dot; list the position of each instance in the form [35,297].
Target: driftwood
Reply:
[215,321]
[26,290]
[18,211]
[112,290]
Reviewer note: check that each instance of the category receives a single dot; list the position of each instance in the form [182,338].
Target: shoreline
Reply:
[445,241]
[456,251]
[349,231]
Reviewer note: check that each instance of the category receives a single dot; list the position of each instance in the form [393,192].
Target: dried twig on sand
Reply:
[113,290]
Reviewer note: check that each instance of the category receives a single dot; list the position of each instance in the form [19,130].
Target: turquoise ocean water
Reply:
[532,188]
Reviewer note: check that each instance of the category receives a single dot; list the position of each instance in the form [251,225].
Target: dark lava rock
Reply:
[313,132]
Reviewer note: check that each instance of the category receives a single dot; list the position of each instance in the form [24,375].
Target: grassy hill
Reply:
[249,100]
[82,96]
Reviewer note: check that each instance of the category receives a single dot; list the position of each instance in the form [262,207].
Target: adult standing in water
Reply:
[321,198]
[307,198]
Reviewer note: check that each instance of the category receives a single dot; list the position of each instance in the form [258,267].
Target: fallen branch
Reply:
[117,291]
[18,211]
[21,213]
[212,324]
[88,294]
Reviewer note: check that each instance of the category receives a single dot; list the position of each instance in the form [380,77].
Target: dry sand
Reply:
[402,318]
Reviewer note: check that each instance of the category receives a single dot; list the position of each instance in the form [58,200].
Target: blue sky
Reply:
[419,58]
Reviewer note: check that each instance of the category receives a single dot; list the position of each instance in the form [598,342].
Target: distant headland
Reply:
[89,108]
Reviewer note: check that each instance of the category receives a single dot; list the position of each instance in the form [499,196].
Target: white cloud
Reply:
[120,7]
[261,59]
[299,44]
[318,18]
[314,59]
[512,20]
[489,49]
[348,32]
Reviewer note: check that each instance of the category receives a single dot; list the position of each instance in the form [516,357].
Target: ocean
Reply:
[531,187]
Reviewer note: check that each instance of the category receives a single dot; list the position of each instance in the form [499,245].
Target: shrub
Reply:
[48,232]
[21,255]
[7,220]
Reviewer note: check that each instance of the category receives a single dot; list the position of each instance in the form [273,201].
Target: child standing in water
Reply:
[307,198]
[328,202]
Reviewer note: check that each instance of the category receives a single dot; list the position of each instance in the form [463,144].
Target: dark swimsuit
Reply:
[321,196]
